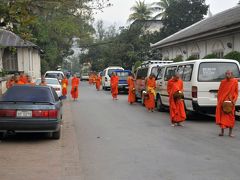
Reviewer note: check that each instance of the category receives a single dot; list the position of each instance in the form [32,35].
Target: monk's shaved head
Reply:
[229,74]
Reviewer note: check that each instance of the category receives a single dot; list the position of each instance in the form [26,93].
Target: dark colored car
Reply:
[123,76]
[31,109]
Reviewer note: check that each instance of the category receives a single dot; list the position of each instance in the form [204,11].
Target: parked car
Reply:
[78,75]
[30,109]
[85,76]
[54,74]
[106,76]
[201,80]
[123,75]
[143,72]
[52,82]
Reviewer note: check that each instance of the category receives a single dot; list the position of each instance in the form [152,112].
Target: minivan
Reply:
[106,76]
[201,80]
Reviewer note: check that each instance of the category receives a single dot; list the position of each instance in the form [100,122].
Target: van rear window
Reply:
[215,71]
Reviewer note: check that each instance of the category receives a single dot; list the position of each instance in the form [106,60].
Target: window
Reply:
[180,70]
[169,72]
[110,71]
[160,73]
[215,71]
[154,71]
[142,73]
[187,73]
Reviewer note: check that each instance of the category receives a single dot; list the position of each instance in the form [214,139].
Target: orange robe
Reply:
[177,111]
[64,86]
[9,83]
[131,94]
[23,78]
[228,90]
[114,86]
[91,79]
[19,83]
[98,82]
[150,103]
[74,90]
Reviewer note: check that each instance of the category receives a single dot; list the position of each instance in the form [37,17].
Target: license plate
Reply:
[24,114]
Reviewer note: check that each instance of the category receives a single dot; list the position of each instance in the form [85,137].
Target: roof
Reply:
[9,39]
[221,22]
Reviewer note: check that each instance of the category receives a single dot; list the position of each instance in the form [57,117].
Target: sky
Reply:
[119,12]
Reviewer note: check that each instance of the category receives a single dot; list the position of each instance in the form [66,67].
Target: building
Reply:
[18,55]
[219,35]
[148,26]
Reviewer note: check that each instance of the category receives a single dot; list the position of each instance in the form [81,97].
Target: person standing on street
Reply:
[23,78]
[43,81]
[176,103]
[17,80]
[151,87]
[98,82]
[74,90]
[226,100]
[64,86]
[131,89]
[10,82]
[114,85]
[29,81]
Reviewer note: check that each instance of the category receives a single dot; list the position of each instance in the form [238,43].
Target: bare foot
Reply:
[231,135]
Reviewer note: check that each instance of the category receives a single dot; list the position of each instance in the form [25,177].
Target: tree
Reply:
[141,11]
[160,8]
[233,55]
[183,13]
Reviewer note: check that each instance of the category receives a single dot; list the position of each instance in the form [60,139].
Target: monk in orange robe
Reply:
[91,79]
[43,81]
[131,89]
[151,87]
[228,91]
[10,82]
[98,82]
[74,90]
[64,86]
[23,78]
[114,85]
[17,80]
[177,111]
[29,81]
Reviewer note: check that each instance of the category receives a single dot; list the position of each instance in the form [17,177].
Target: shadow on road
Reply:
[25,137]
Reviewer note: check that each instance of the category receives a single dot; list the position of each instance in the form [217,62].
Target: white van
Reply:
[55,74]
[106,76]
[201,80]
[144,71]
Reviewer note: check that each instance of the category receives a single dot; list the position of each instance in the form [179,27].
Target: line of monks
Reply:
[226,98]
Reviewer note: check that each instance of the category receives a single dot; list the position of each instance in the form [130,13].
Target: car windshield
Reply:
[54,75]
[48,81]
[28,94]
[110,71]
[215,71]
[122,75]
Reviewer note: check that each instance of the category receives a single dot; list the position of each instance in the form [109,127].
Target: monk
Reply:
[177,111]
[74,90]
[98,82]
[228,91]
[91,79]
[29,81]
[151,87]
[23,78]
[10,82]
[17,80]
[43,81]
[131,89]
[114,85]
[64,86]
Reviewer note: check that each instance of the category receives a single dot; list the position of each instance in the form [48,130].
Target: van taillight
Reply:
[194,91]
[8,113]
[106,79]
[45,113]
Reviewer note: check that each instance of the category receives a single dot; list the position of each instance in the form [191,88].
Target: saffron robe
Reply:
[74,90]
[64,86]
[98,82]
[228,90]
[151,86]
[114,86]
[131,94]
[177,110]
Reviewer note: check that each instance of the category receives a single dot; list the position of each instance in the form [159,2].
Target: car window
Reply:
[110,71]
[154,71]
[52,81]
[56,98]
[160,73]
[215,71]
[54,75]
[187,73]
[169,73]
[180,70]
[142,73]
[28,94]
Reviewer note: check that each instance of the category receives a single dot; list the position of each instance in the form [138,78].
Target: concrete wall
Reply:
[203,47]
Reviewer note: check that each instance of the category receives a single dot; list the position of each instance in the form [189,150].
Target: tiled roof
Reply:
[219,22]
[9,39]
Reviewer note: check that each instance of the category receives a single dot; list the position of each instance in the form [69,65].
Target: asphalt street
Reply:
[118,141]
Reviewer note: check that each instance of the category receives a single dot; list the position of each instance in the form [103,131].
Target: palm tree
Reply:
[141,11]
[160,7]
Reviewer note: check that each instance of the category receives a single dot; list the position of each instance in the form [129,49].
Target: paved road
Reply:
[111,140]
[122,142]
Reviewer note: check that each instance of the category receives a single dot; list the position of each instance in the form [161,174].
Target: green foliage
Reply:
[192,57]
[179,58]
[136,65]
[210,56]
[141,11]
[233,55]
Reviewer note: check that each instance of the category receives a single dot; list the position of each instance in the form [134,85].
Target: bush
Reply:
[233,55]
[191,58]
[210,56]
[179,58]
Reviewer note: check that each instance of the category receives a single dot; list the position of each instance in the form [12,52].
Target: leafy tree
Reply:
[233,55]
[210,56]
[160,8]
[141,11]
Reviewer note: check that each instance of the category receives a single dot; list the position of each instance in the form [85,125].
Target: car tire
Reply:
[57,134]
[159,104]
